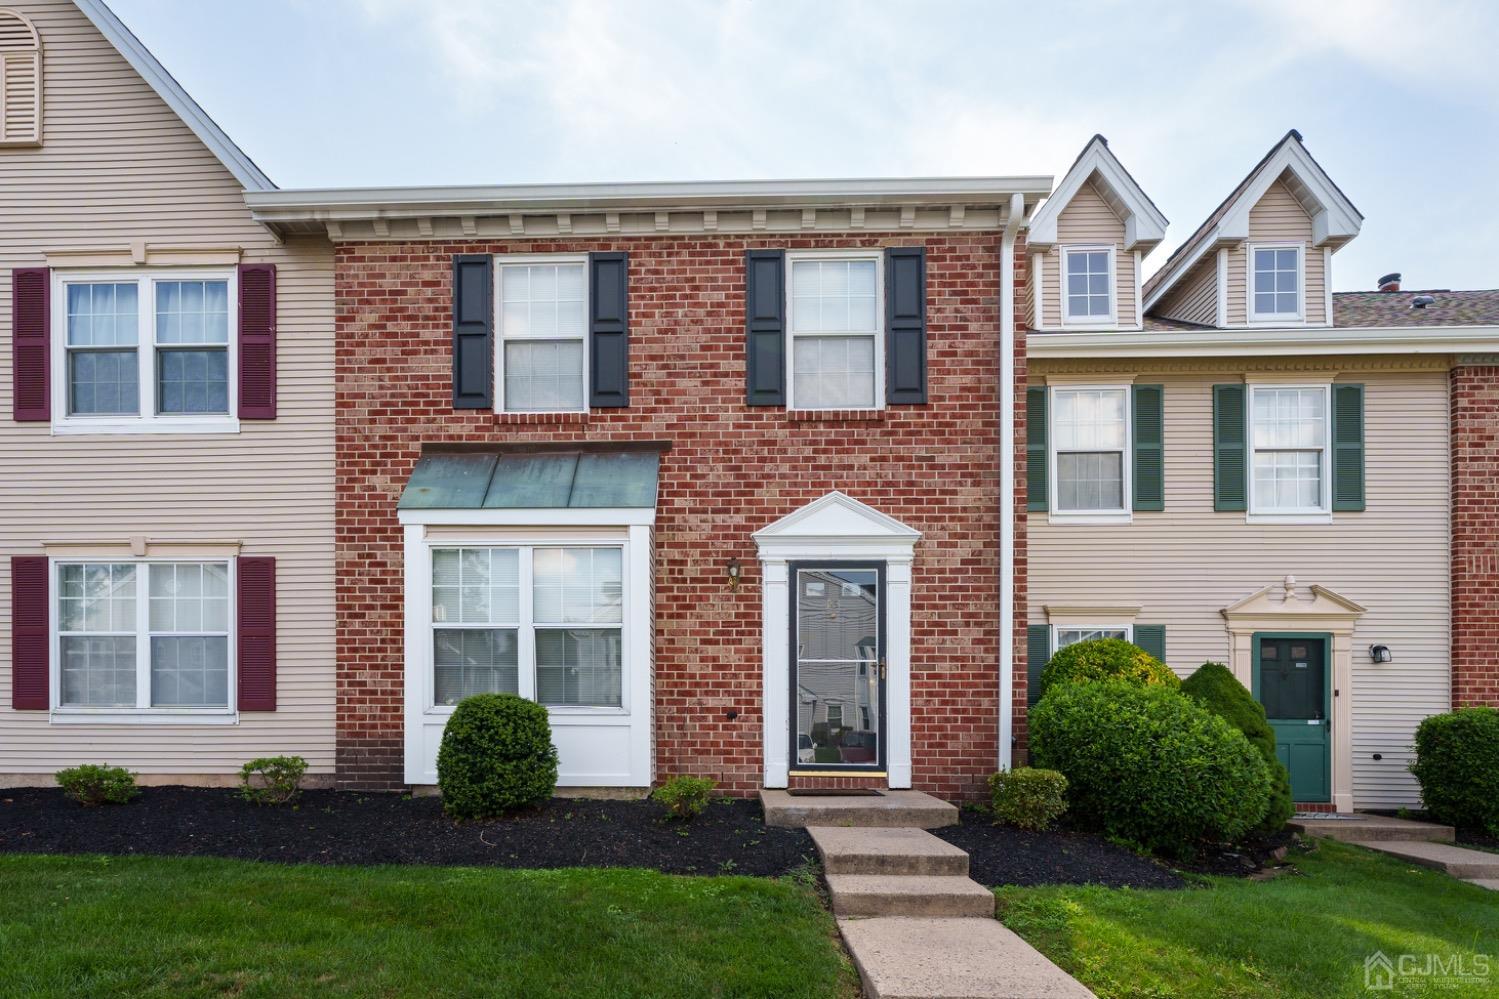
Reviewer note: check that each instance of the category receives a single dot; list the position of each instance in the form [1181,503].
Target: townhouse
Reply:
[791,484]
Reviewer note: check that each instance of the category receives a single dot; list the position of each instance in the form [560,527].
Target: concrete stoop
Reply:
[1362,829]
[888,809]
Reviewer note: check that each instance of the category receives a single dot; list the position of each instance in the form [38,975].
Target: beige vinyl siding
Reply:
[1278,218]
[1184,565]
[1195,299]
[1089,221]
[117,166]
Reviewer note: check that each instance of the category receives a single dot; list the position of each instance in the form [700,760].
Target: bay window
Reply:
[1090,444]
[835,326]
[1289,433]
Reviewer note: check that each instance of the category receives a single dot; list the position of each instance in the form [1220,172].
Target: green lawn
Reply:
[1295,936]
[73,926]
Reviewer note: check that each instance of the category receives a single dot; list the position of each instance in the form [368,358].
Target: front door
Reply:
[1291,681]
[838,666]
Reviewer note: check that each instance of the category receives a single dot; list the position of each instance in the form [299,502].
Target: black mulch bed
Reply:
[341,827]
[1000,855]
[1473,837]
[1257,856]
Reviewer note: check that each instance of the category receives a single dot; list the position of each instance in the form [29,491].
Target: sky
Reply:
[1398,101]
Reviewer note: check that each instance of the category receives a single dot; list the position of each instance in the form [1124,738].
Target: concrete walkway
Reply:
[915,923]
[1424,843]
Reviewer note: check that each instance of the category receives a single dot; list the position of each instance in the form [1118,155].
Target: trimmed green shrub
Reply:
[1457,763]
[1148,765]
[496,755]
[272,780]
[1216,689]
[1106,659]
[685,797]
[98,784]
[1028,798]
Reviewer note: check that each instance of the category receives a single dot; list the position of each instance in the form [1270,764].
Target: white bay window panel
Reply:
[1091,440]
[835,326]
[1289,434]
[542,338]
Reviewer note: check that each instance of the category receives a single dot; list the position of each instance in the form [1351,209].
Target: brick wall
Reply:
[731,470]
[1475,535]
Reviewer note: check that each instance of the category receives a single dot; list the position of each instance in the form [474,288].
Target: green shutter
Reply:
[1037,654]
[1152,638]
[1347,447]
[1230,454]
[1035,448]
[1149,443]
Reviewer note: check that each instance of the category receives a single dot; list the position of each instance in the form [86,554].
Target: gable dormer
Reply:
[1087,243]
[1264,257]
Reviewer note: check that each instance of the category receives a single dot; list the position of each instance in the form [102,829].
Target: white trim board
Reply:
[1268,342]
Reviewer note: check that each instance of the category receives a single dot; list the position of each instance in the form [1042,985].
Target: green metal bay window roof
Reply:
[532,480]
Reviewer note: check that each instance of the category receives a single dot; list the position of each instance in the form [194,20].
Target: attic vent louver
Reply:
[20,81]
[1422,301]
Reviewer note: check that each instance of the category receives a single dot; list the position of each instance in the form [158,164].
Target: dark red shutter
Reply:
[29,643]
[256,616]
[31,346]
[257,341]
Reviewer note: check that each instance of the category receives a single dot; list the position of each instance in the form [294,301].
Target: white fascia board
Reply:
[545,517]
[1298,341]
[1144,226]
[194,117]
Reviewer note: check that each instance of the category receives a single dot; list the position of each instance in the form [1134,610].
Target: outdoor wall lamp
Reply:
[733,570]
[1380,654]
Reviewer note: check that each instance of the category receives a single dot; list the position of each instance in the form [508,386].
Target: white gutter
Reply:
[1013,222]
[1300,341]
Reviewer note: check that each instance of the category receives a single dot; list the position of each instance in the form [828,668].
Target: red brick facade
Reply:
[1475,535]
[731,470]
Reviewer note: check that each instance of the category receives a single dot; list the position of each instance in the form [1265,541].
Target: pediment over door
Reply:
[1287,601]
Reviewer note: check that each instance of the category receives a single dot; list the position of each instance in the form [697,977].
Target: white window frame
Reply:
[1055,514]
[503,260]
[878,256]
[1056,629]
[144,713]
[1101,322]
[146,420]
[1306,515]
[1275,318]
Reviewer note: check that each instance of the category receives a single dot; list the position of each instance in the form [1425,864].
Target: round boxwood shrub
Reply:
[1106,659]
[1216,689]
[496,755]
[1148,765]
[1028,798]
[1457,763]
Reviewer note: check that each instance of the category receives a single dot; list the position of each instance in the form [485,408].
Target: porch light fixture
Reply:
[1380,654]
[733,570]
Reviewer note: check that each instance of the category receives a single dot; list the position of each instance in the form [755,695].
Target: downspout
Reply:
[1013,221]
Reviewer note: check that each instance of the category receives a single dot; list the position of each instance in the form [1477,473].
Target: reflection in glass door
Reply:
[838,666]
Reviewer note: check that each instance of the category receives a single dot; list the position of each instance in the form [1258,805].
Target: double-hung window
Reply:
[836,331]
[1276,281]
[150,351]
[544,622]
[1066,635]
[1289,432]
[1088,294]
[1090,444]
[142,636]
[542,315]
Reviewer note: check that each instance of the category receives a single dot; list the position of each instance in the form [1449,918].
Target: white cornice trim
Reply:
[1267,342]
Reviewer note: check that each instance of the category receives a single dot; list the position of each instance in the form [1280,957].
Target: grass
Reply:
[91,925]
[1303,937]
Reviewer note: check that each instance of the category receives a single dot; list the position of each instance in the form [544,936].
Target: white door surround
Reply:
[828,529]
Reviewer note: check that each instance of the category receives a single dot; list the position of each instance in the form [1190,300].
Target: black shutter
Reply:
[1230,448]
[473,331]
[1347,447]
[609,329]
[905,325]
[1151,638]
[1037,654]
[1149,457]
[765,327]
[1035,448]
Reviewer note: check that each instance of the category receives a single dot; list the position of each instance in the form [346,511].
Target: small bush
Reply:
[685,797]
[1028,798]
[496,755]
[1150,766]
[96,784]
[1457,763]
[1216,689]
[1106,659]
[272,780]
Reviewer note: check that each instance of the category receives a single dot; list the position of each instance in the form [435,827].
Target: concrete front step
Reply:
[903,958]
[1455,860]
[1492,884]
[911,809]
[851,850]
[908,895]
[1362,828]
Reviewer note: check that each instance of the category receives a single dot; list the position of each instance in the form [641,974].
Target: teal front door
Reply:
[1291,681]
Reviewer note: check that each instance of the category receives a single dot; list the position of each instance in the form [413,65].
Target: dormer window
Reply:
[1088,294]
[1276,283]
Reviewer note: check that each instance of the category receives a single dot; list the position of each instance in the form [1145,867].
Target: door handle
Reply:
[882,667]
